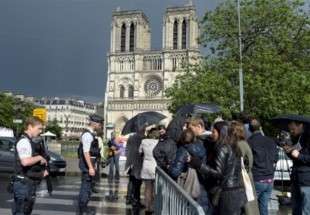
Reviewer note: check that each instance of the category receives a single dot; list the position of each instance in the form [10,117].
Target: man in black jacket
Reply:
[265,155]
[165,151]
[300,154]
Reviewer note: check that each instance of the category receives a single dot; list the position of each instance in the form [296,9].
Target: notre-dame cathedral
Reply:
[137,75]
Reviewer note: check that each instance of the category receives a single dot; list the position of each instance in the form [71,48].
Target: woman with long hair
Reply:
[224,171]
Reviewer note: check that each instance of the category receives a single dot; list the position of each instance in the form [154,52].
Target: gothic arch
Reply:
[184,34]
[132,37]
[175,34]
[130,91]
[121,91]
[123,37]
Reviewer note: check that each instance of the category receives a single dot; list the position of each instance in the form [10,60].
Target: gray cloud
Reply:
[59,47]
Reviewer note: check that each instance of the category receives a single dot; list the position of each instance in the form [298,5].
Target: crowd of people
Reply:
[227,167]
[212,164]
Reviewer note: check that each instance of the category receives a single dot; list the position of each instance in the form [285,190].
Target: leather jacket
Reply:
[224,170]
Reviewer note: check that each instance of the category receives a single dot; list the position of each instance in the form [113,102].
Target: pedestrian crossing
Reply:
[64,198]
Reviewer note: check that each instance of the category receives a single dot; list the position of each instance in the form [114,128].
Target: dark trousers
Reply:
[24,197]
[129,190]
[85,191]
[136,187]
[97,177]
[300,199]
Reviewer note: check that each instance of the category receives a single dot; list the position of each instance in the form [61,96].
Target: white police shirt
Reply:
[23,148]
[87,138]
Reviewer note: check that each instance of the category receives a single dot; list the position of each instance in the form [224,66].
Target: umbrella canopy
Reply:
[282,121]
[191,109]
[175,127]
[142,120]
[48,134]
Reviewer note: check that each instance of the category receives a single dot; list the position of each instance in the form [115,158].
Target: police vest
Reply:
[94,150]
[34,172]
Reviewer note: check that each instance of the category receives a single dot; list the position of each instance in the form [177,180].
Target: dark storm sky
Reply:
[59,47]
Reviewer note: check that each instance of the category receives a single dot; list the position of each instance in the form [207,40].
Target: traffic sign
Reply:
[40,113]
[17,121]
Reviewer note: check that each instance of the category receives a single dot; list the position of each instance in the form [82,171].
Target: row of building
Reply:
[71,114]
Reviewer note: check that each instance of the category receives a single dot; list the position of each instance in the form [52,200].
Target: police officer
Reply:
[30,168]
[88,151]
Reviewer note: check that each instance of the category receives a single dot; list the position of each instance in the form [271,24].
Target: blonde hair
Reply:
[33,121]
[196,122]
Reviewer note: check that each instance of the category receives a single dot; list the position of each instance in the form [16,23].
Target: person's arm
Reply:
[88,160]
[32,160]
[177,166]
[87,139]
[207,171]
[24,152]
[300,156]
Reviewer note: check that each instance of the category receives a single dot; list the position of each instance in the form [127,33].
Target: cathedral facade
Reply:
[137,75]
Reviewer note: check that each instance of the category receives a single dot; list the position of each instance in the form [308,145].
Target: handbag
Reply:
[249,191]
[190,183]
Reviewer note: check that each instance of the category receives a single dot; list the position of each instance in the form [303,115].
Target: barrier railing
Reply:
[171,199]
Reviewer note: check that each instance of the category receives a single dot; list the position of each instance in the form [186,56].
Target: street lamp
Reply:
[241,90]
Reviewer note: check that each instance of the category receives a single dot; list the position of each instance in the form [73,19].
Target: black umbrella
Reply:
[191,109]
[175,127]
[142,120]
[282,121]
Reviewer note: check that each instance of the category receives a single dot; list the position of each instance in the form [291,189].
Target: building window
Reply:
[121,91]
[184,31]
[174,64]
[175,34]
[123,38]
[121,65]
[130,91]
[132,38]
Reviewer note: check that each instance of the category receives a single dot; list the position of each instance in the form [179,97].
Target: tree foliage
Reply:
[275,48]
[12,108]
[54,127]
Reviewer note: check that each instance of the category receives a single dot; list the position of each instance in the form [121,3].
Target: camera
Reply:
[284,139]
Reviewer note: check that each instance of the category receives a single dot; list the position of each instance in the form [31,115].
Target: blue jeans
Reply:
[114,162]
[24,197]
[263,191]
[300,199]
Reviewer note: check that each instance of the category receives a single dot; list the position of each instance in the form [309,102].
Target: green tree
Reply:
[276,44]
[54,127]
[12,108]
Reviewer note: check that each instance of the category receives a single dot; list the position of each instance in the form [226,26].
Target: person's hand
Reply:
[91,172]
[113,148]
[295,153]
[43,161]
[195,162]
[288,149]
[45,173]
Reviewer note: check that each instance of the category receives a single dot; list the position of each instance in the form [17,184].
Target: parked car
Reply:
[7,158]
[283,167]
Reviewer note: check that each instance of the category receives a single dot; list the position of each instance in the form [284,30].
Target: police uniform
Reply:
[26,177]
[88,143]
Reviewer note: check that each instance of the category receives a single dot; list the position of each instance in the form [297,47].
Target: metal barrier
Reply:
[171,199]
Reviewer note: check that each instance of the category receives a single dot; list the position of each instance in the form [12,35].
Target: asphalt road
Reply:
[63,201]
